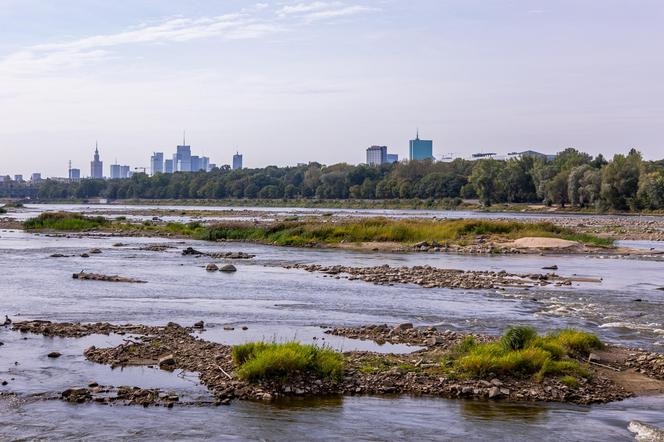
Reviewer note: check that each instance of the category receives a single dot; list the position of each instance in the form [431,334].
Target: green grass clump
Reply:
[257,361]
[65,221]
[521,352]
[516,338]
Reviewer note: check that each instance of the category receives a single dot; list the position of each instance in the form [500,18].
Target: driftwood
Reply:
[100,277]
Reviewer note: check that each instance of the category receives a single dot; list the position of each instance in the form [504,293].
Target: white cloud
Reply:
[319,10]
[253,22]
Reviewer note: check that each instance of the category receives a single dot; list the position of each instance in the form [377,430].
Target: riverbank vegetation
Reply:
[572,178]
[256,361]
[298,233]
[521,352]
[70,222]
[327,232]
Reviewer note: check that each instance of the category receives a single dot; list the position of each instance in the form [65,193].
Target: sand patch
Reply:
[533,242]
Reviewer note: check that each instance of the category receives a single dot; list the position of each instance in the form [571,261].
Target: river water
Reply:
[275,303]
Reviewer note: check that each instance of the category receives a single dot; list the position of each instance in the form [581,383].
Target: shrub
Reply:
[271,361]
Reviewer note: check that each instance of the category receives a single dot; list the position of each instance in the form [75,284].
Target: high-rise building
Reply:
[157,163]
[237,161]
[205,164]
[168,166]
[376,155]
[18,178]
[392,158]
[115,171]
[421,149]
[120,172]
[35,177]
[195,163]
[75,175]
[182,157]
[96,166]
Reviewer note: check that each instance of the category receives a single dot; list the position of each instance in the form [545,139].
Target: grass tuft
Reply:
[521,352]
[257,361]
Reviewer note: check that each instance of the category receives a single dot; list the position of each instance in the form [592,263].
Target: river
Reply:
[275,303]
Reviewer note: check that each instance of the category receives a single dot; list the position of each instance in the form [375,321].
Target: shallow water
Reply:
[281,304]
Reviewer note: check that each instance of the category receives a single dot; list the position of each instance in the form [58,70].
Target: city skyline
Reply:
[270,77]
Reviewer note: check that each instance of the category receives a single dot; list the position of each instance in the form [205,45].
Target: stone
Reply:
[228,268]
[404,326]
[167,361]
[94,251]
[199,324]
[496,382]
[435,340]
[553,267]
[84,255]
[494,392]
[54,354]
[211,267]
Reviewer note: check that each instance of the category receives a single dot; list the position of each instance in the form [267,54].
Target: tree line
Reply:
[626,182]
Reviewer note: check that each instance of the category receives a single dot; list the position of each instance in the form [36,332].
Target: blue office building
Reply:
[421,149]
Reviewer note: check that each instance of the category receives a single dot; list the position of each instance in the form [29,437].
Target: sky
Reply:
[285,82]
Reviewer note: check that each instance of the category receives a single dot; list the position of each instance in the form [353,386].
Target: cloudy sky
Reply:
[295,81]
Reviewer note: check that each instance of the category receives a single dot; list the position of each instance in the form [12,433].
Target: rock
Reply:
[553,267]
[494,392]
[199,324]
[167,362]
[211,267]
[58,255]
[94,251]
[593,358]
[84,255]
[496,382]
[4,383]
[54,354]
[244,327]
[7,320]
[191,251]
[404,326]
[435,340]
[228,328]
[229,268]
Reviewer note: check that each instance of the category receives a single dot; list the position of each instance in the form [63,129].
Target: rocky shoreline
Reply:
[174,347]
[432,277]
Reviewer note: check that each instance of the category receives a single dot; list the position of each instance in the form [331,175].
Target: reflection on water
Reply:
[478,409]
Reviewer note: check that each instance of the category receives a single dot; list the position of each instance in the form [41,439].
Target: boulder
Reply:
[553,267]
[94,251]
[199,324]
[167,362]
[211,267]
[54,354]
[494,393]
[229,268]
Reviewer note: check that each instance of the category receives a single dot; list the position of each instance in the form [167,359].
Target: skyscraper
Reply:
[157,163]
[182,157]
[376,155]
[237,161]
[392,158]
[420,149]
[96,166]
[168,166]
[75,175]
